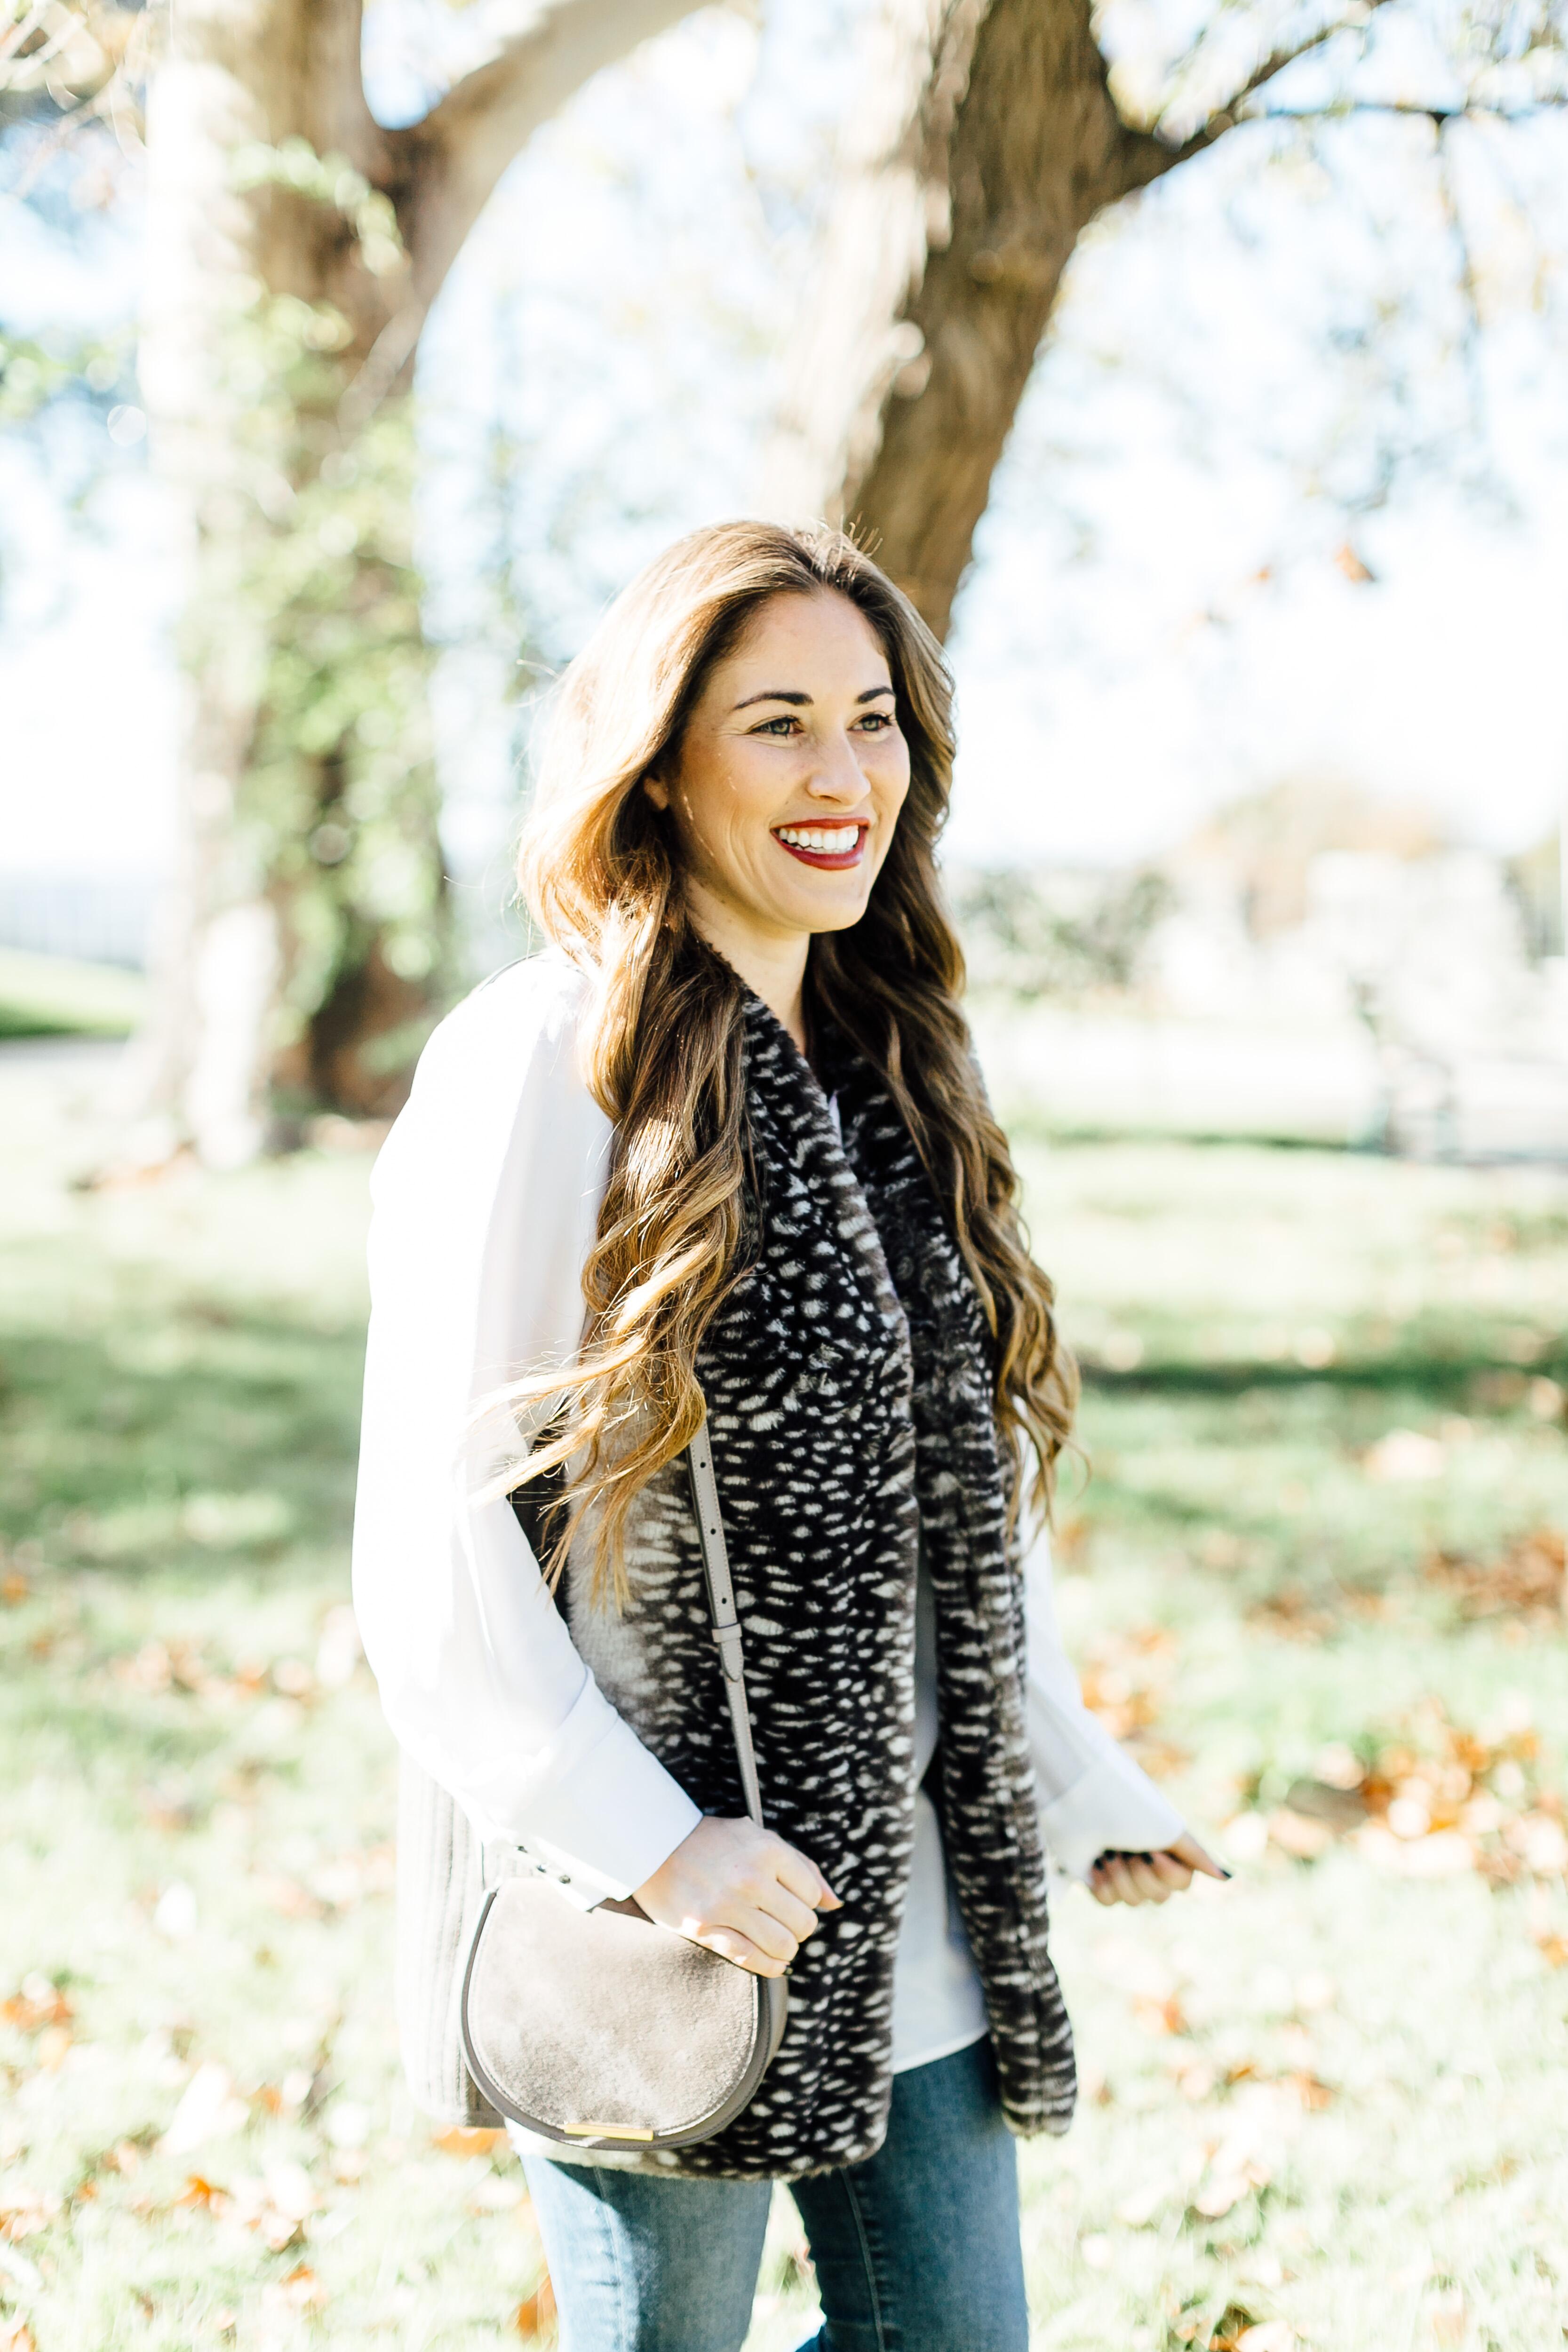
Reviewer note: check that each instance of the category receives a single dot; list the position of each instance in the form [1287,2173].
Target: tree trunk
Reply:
[242,75]
[294,250]
[995,142]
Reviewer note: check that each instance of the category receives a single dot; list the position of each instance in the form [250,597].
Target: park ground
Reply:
[1315,1574]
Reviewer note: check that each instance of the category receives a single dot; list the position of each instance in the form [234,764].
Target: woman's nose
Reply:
[837,774]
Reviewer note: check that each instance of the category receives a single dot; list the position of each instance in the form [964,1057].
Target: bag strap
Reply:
[725,1624]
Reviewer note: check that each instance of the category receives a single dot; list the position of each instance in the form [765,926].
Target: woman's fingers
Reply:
[1132,1878]
[1186,1849]
[1151,1877]
[1113,1881]
[741,1892]
[731,1945]
[797,1920]
[803,1879]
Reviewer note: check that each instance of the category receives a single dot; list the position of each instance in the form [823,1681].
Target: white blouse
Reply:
[486,1201]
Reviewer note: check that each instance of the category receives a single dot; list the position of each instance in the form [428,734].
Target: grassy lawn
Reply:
[1316,1577]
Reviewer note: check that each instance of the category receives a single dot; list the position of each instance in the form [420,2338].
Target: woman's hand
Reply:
[1151,1877]
[739,1892]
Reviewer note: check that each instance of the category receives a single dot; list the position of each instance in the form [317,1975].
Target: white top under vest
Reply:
[485,1204]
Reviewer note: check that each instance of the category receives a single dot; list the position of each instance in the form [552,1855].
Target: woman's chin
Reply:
[824,900]
[834,912]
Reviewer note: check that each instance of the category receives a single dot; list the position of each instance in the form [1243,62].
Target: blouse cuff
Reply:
[598,1808]
[1112,1806]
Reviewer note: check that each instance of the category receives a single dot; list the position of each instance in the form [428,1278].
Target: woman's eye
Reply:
[776,727]
[878,721]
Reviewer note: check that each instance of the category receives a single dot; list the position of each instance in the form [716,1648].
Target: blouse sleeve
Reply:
[1092,1797]
[486,1196]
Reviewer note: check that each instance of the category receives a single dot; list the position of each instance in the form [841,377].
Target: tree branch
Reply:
[1151,156]
[446,166]
[341,121]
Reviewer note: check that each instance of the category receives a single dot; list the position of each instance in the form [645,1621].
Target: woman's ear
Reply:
[657,789]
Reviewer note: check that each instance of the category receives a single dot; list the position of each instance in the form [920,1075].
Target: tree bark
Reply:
[245,77]
[998,142]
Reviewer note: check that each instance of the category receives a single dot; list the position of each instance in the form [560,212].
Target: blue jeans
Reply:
[916,2250]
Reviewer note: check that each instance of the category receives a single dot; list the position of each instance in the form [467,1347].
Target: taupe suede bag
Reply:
[600,2029]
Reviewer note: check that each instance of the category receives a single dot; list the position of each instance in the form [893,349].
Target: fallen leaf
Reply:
[54,2042]
[460,2139]
[1302,1839]
[304,2289]
[1231,2329]
[38,2002]
[1529,1580]
[1161,2016]
[536,2315]
[198,2191]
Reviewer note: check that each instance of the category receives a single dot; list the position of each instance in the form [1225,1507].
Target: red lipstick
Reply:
[832,860]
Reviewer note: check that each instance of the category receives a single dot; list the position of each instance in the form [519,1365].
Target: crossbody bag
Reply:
[601,2029]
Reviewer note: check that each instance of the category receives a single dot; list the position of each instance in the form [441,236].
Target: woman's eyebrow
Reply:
[790,694]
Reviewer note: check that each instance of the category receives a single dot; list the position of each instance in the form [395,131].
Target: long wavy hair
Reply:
[662,1041]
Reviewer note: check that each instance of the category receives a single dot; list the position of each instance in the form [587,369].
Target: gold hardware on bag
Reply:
[607,2131]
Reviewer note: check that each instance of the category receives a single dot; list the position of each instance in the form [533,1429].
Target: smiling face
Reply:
[791,774]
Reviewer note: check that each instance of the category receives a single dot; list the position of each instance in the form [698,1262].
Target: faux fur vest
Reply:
[848,1382]
[848,1385]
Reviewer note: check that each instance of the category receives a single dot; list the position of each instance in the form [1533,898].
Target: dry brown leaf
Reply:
[1294,1834]
[1291,1615]
[1529,1580]
[38,2002]
[304,2289]
[536,2315]
[25,2210]
[1235,2323]
[461,2139]
[1161,2016]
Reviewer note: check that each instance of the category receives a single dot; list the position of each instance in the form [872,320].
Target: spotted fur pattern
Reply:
[847,1381]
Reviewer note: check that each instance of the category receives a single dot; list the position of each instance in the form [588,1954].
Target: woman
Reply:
[723,1145]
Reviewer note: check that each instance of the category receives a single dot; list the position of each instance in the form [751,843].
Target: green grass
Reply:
[54,996]
[1328,2099]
